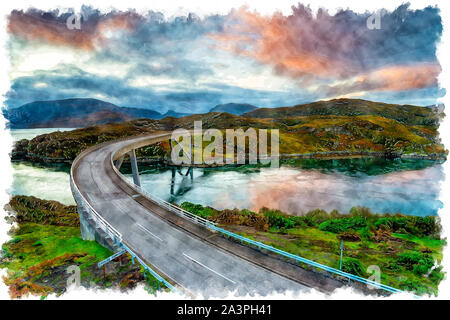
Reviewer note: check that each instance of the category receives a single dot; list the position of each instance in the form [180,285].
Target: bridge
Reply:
[190,255]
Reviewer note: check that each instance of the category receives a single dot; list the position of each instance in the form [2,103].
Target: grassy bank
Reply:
[407,249]
[47,241]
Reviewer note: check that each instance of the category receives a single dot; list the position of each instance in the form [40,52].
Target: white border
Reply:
[201,8]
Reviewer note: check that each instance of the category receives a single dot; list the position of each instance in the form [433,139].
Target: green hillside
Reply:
[372,127]
[412,115]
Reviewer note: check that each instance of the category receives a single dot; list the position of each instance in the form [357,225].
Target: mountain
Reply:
[311,136]
[408,114]
[174,114]
[234,108]
[72,113]
[438,106]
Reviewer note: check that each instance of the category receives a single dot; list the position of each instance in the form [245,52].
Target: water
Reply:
[45,182]
[19,134]
[406,186]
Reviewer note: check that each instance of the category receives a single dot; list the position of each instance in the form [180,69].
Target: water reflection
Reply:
[407,186]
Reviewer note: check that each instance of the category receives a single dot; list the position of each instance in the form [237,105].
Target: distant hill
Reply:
[72,113]
[408,114]
[305,135]
[174,114]
[234,108]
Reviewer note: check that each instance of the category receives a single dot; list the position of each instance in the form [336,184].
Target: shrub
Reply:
[316,217]
[353,266]
[414,285]
[343,224]
[361,212]
[417,262]
[364,244]
[419,226]
[198,209]
[366,233]
[350,235]
[299,222]
[280,220]
[436,276]
[32,209]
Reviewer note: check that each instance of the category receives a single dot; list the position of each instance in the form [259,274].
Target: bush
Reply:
[343,224]
[350,235]
[414,285]
[316,217]
[417,262]
[361,212]
[353,266]
[436,276]
[198,209]
[366,233]
[280,220]
[419,226]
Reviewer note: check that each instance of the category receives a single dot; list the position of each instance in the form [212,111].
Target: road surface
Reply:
[187,260]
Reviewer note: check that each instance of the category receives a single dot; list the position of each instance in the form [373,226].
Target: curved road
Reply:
[192,263]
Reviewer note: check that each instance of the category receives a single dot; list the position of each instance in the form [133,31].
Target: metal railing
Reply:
[213,227]
[153,272]
[109,230]
[169,206]
[99,220]
[261,245]
[177,210]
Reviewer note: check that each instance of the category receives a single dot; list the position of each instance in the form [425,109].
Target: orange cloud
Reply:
[294,45]
[398,78]
[338,47]
[32,27]
[392,78]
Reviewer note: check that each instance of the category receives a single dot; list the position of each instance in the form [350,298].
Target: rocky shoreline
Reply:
[328,155]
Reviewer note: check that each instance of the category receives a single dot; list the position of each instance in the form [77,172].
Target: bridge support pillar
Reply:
[134,168]
[188,154]
[119,162]
[172,182]
[87,230]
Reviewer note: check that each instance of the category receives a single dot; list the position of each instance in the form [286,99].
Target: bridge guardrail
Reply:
[99,220]
[213,226]
[152,272]
[307,261]
[177,210]
[105,225]
[169,206]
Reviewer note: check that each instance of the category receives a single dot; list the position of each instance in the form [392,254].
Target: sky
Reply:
[191,63]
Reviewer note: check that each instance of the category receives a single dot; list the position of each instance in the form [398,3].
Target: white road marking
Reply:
[221,275]
[149,232]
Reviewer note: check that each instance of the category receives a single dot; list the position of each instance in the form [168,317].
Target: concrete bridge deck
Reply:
[192,257]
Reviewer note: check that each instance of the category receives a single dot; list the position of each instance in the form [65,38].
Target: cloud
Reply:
[189,64]
[69,82]
[51,27]
[340,47]
[394,78]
